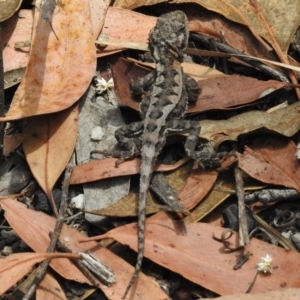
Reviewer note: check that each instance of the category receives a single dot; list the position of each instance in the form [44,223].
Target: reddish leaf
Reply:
[61,64]
[105,168]
[272,160]
[16,266]
[190,250]
[226,92]
[33,228]
[219,92]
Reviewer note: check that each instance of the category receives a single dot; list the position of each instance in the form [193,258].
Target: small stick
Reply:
[55,235]
[243,224]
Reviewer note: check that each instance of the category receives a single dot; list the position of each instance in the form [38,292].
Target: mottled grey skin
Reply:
[162,109]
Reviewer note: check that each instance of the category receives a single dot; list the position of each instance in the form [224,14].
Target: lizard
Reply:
[167,91]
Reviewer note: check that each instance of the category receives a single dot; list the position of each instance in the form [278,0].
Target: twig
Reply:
[243,224]
[55,235]
[2,99]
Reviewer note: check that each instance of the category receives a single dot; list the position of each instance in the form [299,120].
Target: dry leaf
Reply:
[120,24]
[48,144]
[233,91]
[8,8]
[284,121]
[216,92]
[288,294]
[61,64]
[17,29]
[106,168]
[15,266]
[272,160]
[282,17]
[197,186]
[49,289]
[11,143]
[190,250]
[33,228]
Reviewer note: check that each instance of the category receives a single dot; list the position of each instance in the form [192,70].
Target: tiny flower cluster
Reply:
[265,264]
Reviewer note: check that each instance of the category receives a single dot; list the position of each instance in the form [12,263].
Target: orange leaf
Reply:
[272,160]
[61,64]
[33,228]
[48,145]
[190,250]
[16,266]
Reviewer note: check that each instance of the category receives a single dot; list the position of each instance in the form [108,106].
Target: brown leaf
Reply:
[33,228]
[48,145]
[61,64]
[290,294]
[10,143]
[284,121]
[197,186]
[121,23]
[190,250]
[244,12]
[217,91]
[272,160]
[225,92]
[125,207]
[49,289]
[17,29]
[15,266]
[106,168]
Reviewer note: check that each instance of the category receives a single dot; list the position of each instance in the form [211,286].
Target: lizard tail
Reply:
[141,241]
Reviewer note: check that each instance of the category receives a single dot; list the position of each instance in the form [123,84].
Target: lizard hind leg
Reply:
[129,138]
[205,155]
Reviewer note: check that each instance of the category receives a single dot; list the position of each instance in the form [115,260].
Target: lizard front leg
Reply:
[129,138]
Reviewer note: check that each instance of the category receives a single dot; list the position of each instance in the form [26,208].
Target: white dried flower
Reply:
[265,264]
[102,85]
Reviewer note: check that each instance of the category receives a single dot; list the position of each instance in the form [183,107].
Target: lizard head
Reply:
[171,33]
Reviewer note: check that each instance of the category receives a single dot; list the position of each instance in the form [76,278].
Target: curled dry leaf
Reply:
[272,160]
[36,236]
[61,64]
[48,144]
[190,250]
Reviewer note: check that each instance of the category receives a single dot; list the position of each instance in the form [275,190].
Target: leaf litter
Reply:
[234,112]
